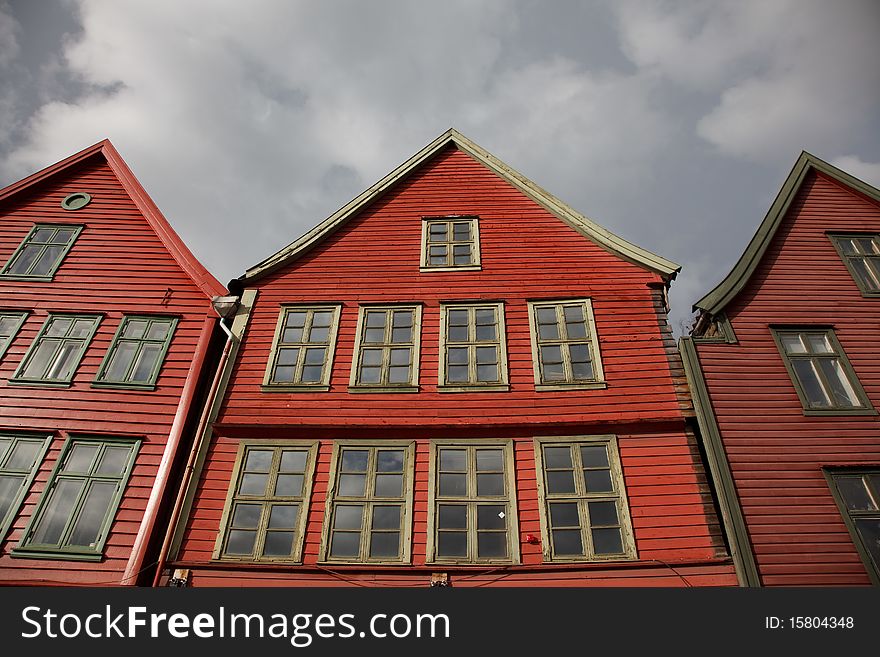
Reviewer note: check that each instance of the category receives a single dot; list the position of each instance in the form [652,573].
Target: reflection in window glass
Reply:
[387,348]
[303,346]
[58,349]
[473,350]
[136,354]
[42,251]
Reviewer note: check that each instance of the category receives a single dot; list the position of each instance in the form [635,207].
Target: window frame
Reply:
[77,228]
[623,511]
[331,498]
[511,500]
[598,381]
[413,384]
[866,407]
[154,377]
[319,386]
[443,361]
[831,474]
[18,379]
[22,317]
[476,257]
[311,447]
[18,498]
[847,259]
[45,551]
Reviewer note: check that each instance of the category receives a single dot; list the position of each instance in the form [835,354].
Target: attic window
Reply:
[450,243]
[76,201]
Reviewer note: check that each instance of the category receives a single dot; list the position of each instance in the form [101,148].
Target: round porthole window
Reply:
[76,201]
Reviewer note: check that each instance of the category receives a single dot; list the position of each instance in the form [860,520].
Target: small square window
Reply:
[861,254]
[57,350]
[136,355]
[40,254]
[450,243]
[302,353]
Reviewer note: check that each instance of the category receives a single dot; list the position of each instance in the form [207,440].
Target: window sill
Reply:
[368,562]
[488,388]
[282,388]
[39,383]
[34,553]
[426,270]
[14,277]
[124,386]
[473,562]
[382,389]
[840,411]
[281,561]
[594,385]
[611,558]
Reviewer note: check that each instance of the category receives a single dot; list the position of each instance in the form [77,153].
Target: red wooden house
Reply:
[783,364]
[105,325]
[454,379]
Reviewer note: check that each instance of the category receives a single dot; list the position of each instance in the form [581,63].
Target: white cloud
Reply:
[867,171]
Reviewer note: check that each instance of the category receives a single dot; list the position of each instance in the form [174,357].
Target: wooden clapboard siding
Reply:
[527,254]
[776,453]
[121,264]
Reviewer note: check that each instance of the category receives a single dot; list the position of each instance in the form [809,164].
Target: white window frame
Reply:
[415,344]
[492,386]
[476,258]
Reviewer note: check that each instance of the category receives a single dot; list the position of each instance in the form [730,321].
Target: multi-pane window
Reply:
[450,243]
[20,457]
[10,322]
[58,349]
[136,354]
[387,352]
[584,515]
[302,354]
[822,375]
[565,349]
[370,504]
[861,253]
[858,495]
[42,251]
[472,347]
[77,508]
[268,503]
[473,502]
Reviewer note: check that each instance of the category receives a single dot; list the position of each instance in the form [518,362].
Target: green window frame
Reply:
[20,458]
[368,511]
[472,503]
[860,253]
[473,347]
[264,518]
[137,353]
[583,506]
[41,253]
[857,494]
[565,345]
[302,350]
[450,243]
[10,323]
[386,354]
[76,510]
[57,351]
[823,377]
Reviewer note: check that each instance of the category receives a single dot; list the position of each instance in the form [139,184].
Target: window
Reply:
[387,352]
[57,350]
[857,493]
[472,347]
[820,371]
[20,457]
[450,243]
[473,504]
[136,354]
[565,349]
[584,513]
[369,507]
[40,254]
[302,354]
[267,505]
[10,322]
[861,254]
[76,510]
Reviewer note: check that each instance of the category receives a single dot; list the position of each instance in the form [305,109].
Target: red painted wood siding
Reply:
[527,253]
[775,452]
[117,266]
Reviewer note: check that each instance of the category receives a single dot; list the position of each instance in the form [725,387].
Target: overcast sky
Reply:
[672,124]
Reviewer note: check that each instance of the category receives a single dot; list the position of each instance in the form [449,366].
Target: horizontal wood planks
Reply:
[117,266]
[776,453]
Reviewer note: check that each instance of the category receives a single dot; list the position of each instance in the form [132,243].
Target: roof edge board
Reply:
[732,284]
[603,237]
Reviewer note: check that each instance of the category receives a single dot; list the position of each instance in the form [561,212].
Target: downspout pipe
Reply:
[193,454]
[169,456]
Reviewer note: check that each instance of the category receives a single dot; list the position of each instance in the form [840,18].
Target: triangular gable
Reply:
[203,279]
[714,302]
[604,238]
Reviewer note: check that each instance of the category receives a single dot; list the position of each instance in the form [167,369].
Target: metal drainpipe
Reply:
[187,475]
[139,550]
